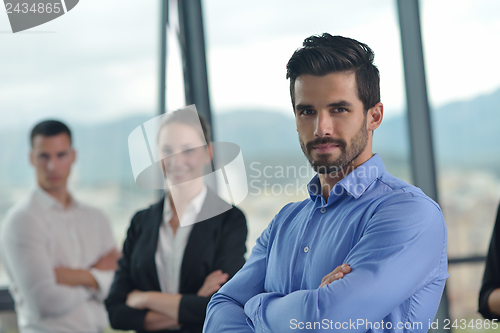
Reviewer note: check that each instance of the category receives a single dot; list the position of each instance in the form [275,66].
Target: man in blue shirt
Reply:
[366,251]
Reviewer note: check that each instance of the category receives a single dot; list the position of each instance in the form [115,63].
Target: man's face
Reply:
[52,157]
[330,120]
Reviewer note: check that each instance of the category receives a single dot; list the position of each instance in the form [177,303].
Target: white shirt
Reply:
[170,249]
[37,235]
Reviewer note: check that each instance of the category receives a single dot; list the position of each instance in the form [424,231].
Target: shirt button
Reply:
[306,249]
[323,210]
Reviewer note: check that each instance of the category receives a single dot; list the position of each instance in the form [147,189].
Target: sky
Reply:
[99,61]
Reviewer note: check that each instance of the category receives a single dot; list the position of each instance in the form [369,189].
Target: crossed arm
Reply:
[84,277]
[163,309]
[130,309]
[51,292]
[412,245]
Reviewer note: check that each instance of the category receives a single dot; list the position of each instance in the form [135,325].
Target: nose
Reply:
[323,125]
[175,161]
[51,164]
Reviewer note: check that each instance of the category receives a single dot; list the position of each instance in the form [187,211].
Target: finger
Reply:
[215,274]
[214,278]
[221,280]
[336,274]
[343,267]
[330,278]
[212,289]
[346,268]
[335,271]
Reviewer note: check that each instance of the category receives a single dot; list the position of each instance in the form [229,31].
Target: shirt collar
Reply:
[194,205]
[355,183]
[49,201]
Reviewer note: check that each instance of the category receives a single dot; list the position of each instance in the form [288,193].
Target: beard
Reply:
[348,153]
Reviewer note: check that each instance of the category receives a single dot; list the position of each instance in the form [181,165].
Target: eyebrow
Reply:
[341,103]
[184,146]
[336,104]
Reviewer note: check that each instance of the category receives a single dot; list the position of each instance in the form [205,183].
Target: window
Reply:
[250,96]
[94,68]
[463,89]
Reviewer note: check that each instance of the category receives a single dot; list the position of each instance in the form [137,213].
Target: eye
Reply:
[339,110]
[43,157]
[306,112]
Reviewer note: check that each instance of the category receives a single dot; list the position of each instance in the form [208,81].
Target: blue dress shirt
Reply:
[391,234]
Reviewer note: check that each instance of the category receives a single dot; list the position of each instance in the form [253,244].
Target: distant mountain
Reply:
[465,133]
[102,153]
[468,132]
[258,132]
[270,138]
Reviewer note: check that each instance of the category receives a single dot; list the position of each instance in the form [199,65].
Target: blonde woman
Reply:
[171,265]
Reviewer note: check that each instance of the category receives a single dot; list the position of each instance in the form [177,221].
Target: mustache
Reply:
[321,141]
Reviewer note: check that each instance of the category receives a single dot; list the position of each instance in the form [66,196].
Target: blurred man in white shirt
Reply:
[59,253]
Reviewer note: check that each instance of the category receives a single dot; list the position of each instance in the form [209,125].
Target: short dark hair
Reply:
[49,128]
[321,55]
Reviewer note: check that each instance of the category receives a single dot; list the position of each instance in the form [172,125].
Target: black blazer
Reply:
[216,243]
[491,278]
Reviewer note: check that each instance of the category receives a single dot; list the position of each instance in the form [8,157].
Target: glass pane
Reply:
[463,290]
[463,83]
[94,68]
[250,96]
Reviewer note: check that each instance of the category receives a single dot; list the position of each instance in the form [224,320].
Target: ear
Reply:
[32,158]
[73,155]
[374,117]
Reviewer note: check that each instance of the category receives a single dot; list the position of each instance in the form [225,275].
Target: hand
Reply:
[137,299]
[75,277]
[212,283]
[109,261]
[337,274]
[67,276]
[155,321]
